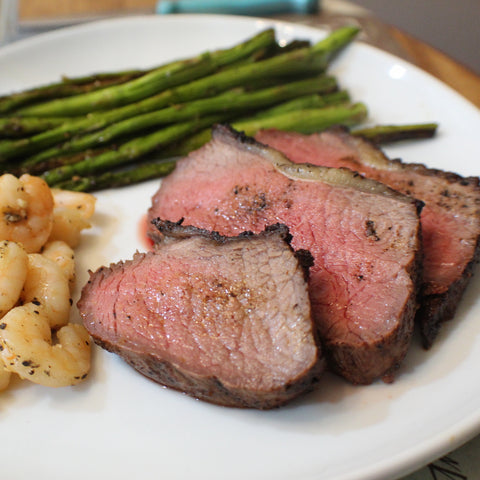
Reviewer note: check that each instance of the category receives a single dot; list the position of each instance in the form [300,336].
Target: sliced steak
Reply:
[364,238]
[226,320]
[450,218]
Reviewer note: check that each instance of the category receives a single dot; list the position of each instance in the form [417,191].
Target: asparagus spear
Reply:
[304,102]
[40,167]
[145,85]
[285,117]
[19,127]
[395,133]
[15,148]
[144,171]
[35,166]
[163,77]
[65,88]
[308,121]
[129,151]
[303,121]
[70,86]
[192,69]
[304,60]
[198,139]
[230,101]
[71,125]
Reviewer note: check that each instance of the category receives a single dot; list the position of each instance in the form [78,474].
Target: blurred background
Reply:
[451,26]
[448,25]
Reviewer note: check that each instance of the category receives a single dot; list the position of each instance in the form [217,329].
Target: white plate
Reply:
[120,425]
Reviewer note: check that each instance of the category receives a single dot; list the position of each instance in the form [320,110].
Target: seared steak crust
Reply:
[225,320]
[364,237]
[450,218]
[210,388]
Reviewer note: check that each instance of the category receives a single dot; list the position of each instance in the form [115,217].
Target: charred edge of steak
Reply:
[306,171]
[224,130]
[176,230]
[306,261]
[450,177]
[420,168]
[210,389]
[368,359]
[366,362]
[435,310]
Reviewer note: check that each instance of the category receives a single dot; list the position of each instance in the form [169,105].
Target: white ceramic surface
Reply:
[120,425]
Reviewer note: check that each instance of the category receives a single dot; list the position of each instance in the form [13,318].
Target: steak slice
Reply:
[226,320]
[450,218]
[364,238]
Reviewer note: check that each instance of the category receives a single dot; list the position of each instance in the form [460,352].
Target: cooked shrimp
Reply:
[79,201]
[26,211]
[63,255]
[27,349]
[13,273]
[47,287]
[35,287]
[71,214]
